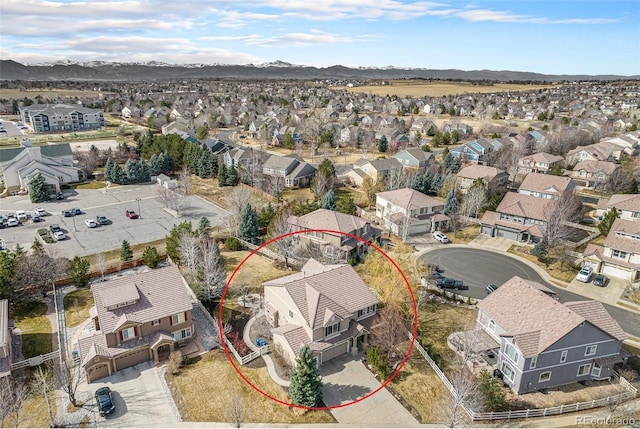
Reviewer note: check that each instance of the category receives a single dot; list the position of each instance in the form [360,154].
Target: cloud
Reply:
[288,40]
[479,15]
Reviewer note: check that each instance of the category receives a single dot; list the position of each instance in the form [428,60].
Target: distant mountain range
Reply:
[105,71]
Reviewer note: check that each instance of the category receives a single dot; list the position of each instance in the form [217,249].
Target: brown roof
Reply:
[624,235]
[329,219]
[531,317]
[410,199]
[294,335]
[322,291]
[597,315]
[543,157]
[479,172]
[162,292]
[593,167]
[627,202]
[545,183]
[525,205]
[119,294]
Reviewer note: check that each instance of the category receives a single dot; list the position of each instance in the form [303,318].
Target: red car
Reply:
[131,214]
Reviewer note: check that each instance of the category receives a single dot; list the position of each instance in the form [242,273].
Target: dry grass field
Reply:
[255,271]
[206,389]
[47,93]
[420,88]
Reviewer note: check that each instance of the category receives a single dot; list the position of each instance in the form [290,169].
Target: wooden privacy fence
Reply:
[257,191]
[630,393]
[270,254]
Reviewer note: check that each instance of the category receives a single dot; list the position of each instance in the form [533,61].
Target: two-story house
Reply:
[518,217]
[627,205]
[415,160]
[330,242]
[291,170]
[545,186]
[601,151]
[407,212]
[6,331]
[474,151]
[542,343]
[326,307]
[136,318]
[593,174]
[620,255]
[540,162]
[376,169]
[493,178]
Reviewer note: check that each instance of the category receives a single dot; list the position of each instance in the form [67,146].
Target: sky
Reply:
[544,36]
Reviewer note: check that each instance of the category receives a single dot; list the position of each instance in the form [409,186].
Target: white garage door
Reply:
[614,271]
[419,229]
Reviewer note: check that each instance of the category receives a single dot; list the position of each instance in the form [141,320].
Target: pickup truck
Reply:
[449,283]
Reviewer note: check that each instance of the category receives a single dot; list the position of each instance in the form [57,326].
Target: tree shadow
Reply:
[344,393]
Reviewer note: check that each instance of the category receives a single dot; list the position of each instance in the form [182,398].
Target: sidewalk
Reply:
[267,358]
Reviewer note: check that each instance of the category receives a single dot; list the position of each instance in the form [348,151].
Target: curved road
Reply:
[478,267]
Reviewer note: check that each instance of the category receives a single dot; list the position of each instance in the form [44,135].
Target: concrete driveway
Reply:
[345,380]
[139,397]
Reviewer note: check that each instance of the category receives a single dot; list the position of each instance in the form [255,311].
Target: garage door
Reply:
[338,350]
[614,271]
[132,358]
[419,229]
[97,372]
[507,234]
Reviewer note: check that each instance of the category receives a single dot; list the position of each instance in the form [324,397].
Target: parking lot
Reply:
[154,222]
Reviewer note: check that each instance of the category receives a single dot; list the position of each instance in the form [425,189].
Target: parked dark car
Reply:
[36,218]
[59,196]
[67,213]
[600,280]
[449,283]
[55,227]
[76,211]
[131,214]
[103,220]
[104,401]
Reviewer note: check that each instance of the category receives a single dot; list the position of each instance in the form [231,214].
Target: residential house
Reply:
[332,242]
[6,333]
[602,151]
[545,185]
[462,129]
[593,174]
[541,162]
[474,151]
[620,255]
[379,168]
[541,343]
[493,178]
[44,118]
[415,160]
[518,217]
[408,212]
[326,307]
[291,170]
[18,165]
[627,205]
[136,318]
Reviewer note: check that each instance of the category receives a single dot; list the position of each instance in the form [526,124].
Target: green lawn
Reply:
[30,318]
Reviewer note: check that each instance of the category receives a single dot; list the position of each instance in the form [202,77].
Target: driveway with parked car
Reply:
[153,222]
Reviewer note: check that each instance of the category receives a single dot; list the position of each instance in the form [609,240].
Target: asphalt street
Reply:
[478,267]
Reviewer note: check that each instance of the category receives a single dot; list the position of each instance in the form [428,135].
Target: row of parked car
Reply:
[584,276]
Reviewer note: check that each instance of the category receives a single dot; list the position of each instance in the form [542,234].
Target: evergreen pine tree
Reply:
[168,164]
[222,175]
[306,387]
[203,226]
[151,257]
[154,165]
[329,200]
[37,247]
[232,176]
[143,171]
[451,202]
[126,254]
[249,225]
[607,221]
[382,144]
[205,165]
[108,170]
[346,205]
[172,247]
[131,169]
[79,271]
[38,190]
[266,214]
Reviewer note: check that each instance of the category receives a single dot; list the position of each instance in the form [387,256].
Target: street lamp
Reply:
[139,213]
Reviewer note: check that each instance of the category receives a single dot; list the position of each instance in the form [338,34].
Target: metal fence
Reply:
[630,393]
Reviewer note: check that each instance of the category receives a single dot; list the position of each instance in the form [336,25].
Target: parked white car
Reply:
[440,237]
[59,235]
[40,212]
[585,274]
[21,215]
[90,223]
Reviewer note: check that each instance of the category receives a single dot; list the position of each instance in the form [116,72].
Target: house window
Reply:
[590,350]
[156,322]
[370,309]
[512,352]
[619,254]
[508,371]
[128,333]
[563,356]
[534,361]
[584,369]
[595,372]
[177,318]
[181,334]
[492,325]
[332,329]
[290,314]
[545,376]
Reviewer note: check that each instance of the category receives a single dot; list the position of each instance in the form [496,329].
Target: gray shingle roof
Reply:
[410,198]
[545,183]
[329,219]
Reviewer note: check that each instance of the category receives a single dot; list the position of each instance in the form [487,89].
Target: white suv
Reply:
[585,274]
[21,215]
[440,237]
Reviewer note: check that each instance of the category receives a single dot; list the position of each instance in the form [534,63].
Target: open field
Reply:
[13,93]
[421,88]
[207,388]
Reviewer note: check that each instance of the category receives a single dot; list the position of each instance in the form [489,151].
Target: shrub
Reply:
[175,362]
[355,260]
[232,244]
[491,388]
[377,360]
[238,343]
[539,250]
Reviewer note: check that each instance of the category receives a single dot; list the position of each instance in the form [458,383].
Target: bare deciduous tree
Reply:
[321,183]
[13,393]
[68,377]
[474,200]
[43,381]
[236,201]
[174,199]
[450,408]
[285,246]
[185,180]
[101,264]
[567,208]
[389,330]
[189,250]
[236,413]
[212,275]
